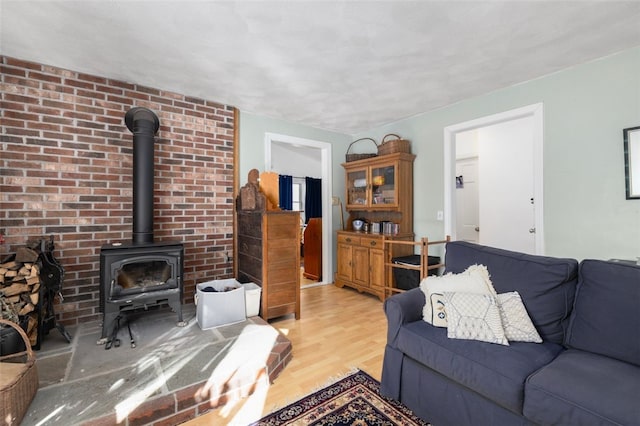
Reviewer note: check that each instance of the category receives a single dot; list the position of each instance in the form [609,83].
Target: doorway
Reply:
[321,153]
[508,180]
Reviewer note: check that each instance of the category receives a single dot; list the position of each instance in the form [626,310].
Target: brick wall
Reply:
[66,171]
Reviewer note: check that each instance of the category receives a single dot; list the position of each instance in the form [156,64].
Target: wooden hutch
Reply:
[378,190]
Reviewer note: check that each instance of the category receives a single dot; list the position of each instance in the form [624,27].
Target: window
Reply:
[298,194]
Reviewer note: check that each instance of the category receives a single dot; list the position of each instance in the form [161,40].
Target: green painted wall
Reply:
[252,141]
[585,109]
[253,128]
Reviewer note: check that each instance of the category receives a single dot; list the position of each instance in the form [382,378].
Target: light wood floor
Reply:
[339,329]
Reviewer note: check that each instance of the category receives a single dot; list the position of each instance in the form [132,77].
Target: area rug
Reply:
[354,400]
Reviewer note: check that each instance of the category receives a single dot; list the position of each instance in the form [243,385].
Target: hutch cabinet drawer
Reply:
[371,242]
[349,239]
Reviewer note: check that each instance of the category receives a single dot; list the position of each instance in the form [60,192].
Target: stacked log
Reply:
[20,290]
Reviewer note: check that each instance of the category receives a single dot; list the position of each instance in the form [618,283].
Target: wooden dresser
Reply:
[269,255]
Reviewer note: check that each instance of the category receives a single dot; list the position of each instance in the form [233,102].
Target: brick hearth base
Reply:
[181,405]
[155,382]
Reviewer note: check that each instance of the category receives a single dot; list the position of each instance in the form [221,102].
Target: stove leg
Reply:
[176,305]
[107,320]
[114,336]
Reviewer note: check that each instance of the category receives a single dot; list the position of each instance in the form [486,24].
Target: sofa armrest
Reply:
[402,308]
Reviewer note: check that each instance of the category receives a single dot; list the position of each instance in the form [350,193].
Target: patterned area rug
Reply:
[354,400]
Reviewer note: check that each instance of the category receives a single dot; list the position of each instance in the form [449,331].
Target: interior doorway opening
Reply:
[504,196]
[316,152]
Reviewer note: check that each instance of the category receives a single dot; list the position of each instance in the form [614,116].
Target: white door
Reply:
[506,188]
[467,208]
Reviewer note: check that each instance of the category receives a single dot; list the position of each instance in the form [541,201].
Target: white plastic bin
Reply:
[221,307]
[252,293]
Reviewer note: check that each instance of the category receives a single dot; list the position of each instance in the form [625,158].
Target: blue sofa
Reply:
[585,372]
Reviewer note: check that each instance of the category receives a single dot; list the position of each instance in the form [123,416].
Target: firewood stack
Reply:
[20,290]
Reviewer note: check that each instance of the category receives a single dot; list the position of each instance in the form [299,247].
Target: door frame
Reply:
[536,111]
[327,216]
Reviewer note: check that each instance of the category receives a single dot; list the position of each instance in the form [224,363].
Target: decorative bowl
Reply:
[358,224]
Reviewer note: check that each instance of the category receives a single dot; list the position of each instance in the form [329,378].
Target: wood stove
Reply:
[141,273]
[134,276]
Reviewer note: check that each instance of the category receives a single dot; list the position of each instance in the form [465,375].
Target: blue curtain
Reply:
[285,185]
[313,198]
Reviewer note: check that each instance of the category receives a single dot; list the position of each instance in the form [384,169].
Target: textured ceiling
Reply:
[345,66]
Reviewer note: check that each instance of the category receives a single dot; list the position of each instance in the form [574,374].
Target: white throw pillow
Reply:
[475,279]
[474,316]
[515,319]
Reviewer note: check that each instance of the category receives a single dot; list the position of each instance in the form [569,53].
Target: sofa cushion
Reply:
[581,388]
[496,372]
[606,314]
[545,284]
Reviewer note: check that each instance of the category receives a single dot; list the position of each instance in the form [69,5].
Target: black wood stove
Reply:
[141,273]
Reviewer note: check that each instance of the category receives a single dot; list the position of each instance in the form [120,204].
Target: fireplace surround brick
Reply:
[66,171]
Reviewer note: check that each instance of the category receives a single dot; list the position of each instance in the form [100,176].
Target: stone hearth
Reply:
[81,383]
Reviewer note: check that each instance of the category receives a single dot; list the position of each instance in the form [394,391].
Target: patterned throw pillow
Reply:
[438,313]
[474,316]
[475,279]
[515,320]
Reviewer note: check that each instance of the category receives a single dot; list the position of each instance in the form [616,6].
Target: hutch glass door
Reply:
[383,185]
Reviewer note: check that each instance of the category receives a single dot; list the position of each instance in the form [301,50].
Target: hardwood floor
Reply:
[305,281]
[339,330]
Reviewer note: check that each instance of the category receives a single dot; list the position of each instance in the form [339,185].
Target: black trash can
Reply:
[406,279]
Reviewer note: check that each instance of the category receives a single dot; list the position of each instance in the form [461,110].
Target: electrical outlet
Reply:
[440,215]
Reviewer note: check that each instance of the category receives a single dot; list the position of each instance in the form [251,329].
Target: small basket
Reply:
[393,145]
[355,157]
[18,381]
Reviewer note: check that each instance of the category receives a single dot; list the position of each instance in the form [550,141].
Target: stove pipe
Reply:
[144,124]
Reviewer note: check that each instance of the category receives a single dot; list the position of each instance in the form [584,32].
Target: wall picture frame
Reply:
[631,138]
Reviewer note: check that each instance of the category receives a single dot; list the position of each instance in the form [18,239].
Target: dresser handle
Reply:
[373,243]
[348,240]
